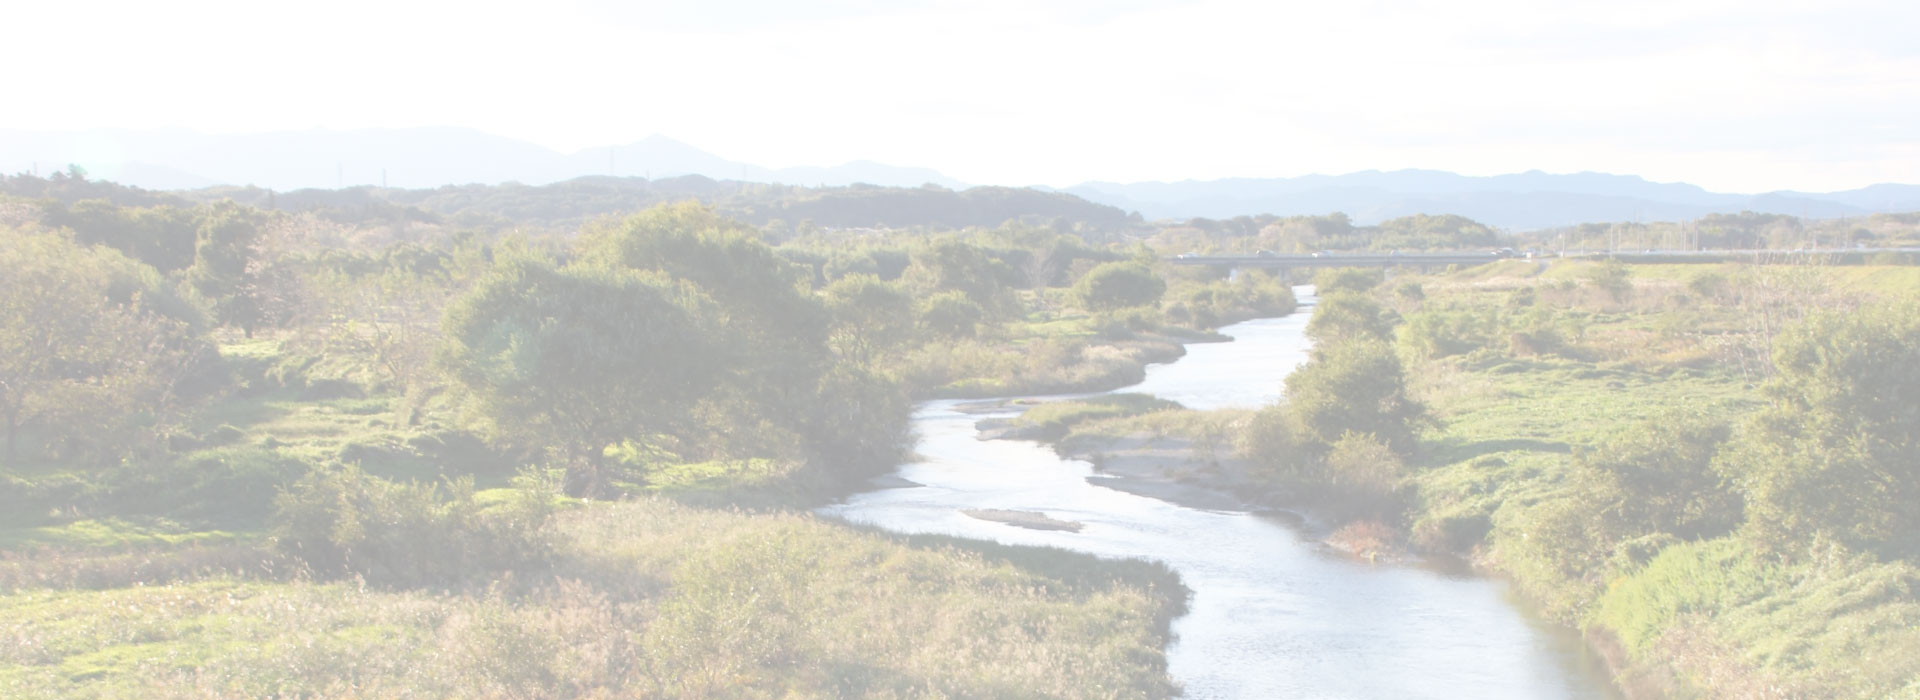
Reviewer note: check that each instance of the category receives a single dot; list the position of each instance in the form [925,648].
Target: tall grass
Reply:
[643,599]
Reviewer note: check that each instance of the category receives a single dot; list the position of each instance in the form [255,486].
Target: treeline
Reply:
[1342,437]
[1308,234]
[646,344]
[783,209]
[1742,231]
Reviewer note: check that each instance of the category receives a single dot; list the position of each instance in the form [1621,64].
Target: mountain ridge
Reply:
[434,157]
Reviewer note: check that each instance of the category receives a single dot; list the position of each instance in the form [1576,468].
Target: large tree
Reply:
[1837,454]
[227,269]
[1118,285]
[581,358]
[1356,385]
[92,344]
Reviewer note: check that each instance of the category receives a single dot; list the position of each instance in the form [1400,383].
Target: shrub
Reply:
[343,522]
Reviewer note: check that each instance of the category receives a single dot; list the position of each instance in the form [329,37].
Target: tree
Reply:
[954,265]
[1658,477]
[774,325]
[1119,285]
[224,268]
[391,318]
[870,316]
[1356,385]
[1346,279]
[582,358]
[1363,477]
[1342,316]
[951,315]
[1837,453]
[92,345]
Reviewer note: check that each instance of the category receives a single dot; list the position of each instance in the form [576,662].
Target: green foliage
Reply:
[1222,302]
[885,263]
[579,358]
[1345,316]
[1364,475]
[163,237]
[94,348]
[1611,277]
[1734,624]
[871,316]
[1708,285]
[1051,420]
[344,522]
[1433,232]
[951,314]
[643,599]
[226,266]
[1354,386]
[778,327]
[1335,280]
[1837,454]
[952,265]
[1118,285]
[1658,477]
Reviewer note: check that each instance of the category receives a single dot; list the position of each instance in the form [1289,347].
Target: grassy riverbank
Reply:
[1534,380]
[640,598]
[329,465]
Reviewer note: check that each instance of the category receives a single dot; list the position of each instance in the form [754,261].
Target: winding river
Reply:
[1274,614]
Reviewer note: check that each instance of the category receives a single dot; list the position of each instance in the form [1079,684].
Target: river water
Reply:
[1274,614]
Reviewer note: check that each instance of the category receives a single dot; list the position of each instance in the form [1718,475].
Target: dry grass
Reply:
[648,599]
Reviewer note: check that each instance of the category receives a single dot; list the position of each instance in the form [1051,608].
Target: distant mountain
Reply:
[1518,201]
[175,159]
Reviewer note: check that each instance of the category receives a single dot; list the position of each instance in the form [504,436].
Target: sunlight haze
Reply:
[1749,96]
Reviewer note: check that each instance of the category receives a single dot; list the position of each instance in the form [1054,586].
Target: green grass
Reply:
[112,533]
[1051,420]
[647,599]
[1699,619]
[1835,627]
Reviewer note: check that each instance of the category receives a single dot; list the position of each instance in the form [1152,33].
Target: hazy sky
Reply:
[1733,95]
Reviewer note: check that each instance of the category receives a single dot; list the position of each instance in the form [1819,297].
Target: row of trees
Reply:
[676,329]
[1347,425]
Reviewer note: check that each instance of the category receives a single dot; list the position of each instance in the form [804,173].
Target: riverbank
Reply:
[644,597]
[1178,455]
[1536,380]
[1264,618]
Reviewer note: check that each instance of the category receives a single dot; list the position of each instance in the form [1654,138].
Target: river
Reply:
[1274,614]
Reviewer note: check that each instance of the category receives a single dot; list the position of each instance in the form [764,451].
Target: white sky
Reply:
[1732,95]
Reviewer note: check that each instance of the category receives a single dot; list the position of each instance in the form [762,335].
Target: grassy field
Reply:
[644,598]
[1706,618]
[173,578]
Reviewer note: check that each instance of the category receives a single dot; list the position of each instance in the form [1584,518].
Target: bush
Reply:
[1365,478]
[341,521]
[951,315]
[1347,279]
[231,486]
[1354,386]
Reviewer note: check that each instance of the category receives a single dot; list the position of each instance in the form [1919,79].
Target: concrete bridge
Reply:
[1289,262]
[1427,261]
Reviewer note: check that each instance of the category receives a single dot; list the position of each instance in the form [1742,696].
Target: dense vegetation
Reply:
[488,441]
[782,211]
[1709,467]
[476,463]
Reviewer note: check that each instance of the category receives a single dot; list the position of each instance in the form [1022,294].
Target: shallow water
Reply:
[1273,615]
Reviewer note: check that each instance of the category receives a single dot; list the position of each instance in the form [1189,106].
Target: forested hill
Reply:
[568,204]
